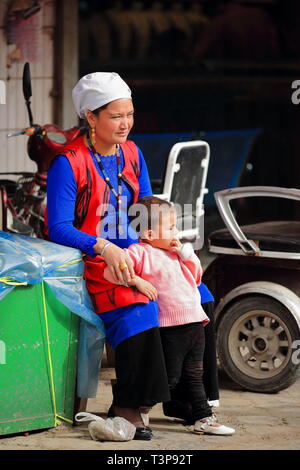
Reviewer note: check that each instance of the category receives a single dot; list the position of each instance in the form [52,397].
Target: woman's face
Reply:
[113,124]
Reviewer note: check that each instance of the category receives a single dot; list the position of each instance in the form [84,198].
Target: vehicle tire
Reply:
[255,340]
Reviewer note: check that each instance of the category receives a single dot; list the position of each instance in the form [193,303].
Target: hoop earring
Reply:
[93,135]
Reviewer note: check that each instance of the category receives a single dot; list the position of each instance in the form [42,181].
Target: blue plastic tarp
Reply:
[32,260]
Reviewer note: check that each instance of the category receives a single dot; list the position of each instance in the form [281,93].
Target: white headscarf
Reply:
[97,89]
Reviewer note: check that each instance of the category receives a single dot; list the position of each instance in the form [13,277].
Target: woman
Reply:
[90,187]
[84,189]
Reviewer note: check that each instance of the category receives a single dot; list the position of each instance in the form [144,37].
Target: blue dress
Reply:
[123,322]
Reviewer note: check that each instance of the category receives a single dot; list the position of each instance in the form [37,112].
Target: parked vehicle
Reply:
[256,282]
[24,200]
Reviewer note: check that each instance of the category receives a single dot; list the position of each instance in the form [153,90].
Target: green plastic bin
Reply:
[31,397]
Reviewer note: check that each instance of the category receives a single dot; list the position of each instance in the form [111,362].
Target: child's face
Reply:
[165,233]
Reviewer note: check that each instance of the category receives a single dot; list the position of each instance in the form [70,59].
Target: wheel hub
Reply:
[264,342]
[260,344]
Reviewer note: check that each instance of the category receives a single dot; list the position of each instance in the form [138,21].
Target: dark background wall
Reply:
[207,66]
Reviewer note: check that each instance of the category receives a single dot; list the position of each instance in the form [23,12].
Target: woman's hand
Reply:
[115,257]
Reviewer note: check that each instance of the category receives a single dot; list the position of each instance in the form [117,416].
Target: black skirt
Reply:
[141,371]
[210,374]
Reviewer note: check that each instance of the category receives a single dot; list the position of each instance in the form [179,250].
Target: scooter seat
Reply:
[277,236]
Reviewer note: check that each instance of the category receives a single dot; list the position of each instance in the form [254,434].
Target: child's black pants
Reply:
[183,347]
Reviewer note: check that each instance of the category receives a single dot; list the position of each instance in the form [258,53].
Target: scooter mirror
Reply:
[27,92]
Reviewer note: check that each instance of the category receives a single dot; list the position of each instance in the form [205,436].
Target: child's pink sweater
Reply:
[175,280]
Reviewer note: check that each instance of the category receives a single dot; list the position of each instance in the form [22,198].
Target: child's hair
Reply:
[151,210]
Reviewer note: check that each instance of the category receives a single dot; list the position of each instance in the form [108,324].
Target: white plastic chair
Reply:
[184,185]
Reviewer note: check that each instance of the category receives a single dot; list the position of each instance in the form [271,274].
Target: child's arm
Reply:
[189,258]
[143,286]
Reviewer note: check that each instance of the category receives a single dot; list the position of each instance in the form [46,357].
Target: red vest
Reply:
[91,202]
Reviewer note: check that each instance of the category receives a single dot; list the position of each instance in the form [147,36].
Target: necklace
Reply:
[108,182]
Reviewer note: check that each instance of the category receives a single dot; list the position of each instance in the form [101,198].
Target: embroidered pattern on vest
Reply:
[103,214]
[72,152]
[111,296]
[136,168]
[83,200]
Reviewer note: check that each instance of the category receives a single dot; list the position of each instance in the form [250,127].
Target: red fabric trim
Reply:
[106,295]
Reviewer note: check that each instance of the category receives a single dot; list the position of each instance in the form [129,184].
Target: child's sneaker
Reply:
[214,403]
[210,425]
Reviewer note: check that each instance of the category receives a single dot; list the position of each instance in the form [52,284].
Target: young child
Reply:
[167,272]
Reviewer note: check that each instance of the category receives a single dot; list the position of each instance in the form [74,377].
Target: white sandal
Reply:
[210,425]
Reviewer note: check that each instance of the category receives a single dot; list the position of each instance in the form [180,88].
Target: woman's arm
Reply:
[61,199]
[144,180]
